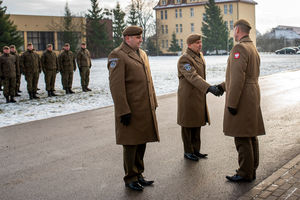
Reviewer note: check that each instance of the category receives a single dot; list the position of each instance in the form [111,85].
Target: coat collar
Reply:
[131,53]
[194,55]
[245,39]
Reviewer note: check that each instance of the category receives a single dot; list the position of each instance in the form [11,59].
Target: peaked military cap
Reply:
[242,21]
[29,44]
[12,46]
[67,44]
[132,30]
[5,47]
[49,45]
[193,38]
[82,43]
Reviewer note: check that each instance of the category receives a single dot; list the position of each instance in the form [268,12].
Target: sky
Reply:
[269,13]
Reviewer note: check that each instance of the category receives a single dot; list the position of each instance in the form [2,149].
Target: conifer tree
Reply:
[118,25]
[174,47]
[133,14]
[214,28]
[8,31]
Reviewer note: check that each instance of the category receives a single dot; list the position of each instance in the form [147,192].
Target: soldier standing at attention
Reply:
[50,68]
[242,116]
[31,67]
[67,66]
[8,74]
[84,65]
[192,108]
[135,103]
[14,53]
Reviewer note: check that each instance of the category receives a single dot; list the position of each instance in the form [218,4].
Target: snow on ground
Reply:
[164,74]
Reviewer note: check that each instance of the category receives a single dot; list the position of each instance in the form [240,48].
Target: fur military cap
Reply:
[242,21]
[12,46]
[193,38]
[49,45]
[67,44]
[5,47]
[132,30]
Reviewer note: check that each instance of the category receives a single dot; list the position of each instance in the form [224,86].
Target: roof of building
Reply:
[293,28]
[171,3]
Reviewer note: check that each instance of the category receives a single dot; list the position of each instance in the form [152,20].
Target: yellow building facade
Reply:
[184,17]
[43,30]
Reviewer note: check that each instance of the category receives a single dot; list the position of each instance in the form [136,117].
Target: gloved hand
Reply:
[232,111]
[125,119]
[214,90]
[221,89]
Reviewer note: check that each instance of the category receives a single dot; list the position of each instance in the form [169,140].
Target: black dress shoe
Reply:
[237,178]
[200,155]
[191,156]
[135,186]
[144,182]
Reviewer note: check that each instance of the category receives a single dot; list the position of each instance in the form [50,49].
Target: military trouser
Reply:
[85,76]
[50,76]
[191,139]
[133,156]
[248,155]
[9,86]
[18,82]
[67,79]
[32,80]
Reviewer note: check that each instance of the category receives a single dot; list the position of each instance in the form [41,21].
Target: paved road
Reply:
[75,156]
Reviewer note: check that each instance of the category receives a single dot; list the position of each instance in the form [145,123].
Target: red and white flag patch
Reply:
[236,55]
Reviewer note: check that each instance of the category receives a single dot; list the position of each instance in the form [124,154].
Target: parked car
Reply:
[286,50]
[298,52]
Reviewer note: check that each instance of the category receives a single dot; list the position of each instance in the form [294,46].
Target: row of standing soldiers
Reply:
[30,64]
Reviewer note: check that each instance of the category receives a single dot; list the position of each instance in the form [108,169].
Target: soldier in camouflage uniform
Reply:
[8,74]
[14,53]
[67,67]
[50,68]
[84,65]
[31,67]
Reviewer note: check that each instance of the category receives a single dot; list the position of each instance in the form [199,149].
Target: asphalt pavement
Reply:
[75,156]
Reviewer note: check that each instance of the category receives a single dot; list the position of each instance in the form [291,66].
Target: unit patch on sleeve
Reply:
[236,55]
[187,67]
[113,62]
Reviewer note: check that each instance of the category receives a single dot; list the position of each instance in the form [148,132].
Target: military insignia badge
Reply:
[236,55]
[187,67]
[113,64]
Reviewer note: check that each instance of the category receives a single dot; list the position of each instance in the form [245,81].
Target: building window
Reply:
[166,29]
[180,13]
[226,24]
[162,29]
[231,25]
[162,44]
[192,12]
[225,9]
[163,2]
[167,44]
[230,8]
[161,14]
[176,13]
[178,1]
[40,39]
[204,17]
[192,27]
[177,42]
[176,28]
[166,14]
[181,43]
[180,28]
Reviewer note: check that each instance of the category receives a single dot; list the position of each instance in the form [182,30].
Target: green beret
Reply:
[5,47]
[12,46]
[243,22]
[193,38]
[132,30]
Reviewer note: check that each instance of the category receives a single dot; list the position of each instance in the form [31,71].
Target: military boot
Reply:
[49,93]
[84,89]
[53,94]
[34,95]
[12,100]
[71,91]
[67,91]
[7,99]
[30,95]
[17,95]
[88,89]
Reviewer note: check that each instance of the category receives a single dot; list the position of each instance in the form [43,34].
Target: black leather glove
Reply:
[221,89]
[232,111]
[125,119]
[214,90]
